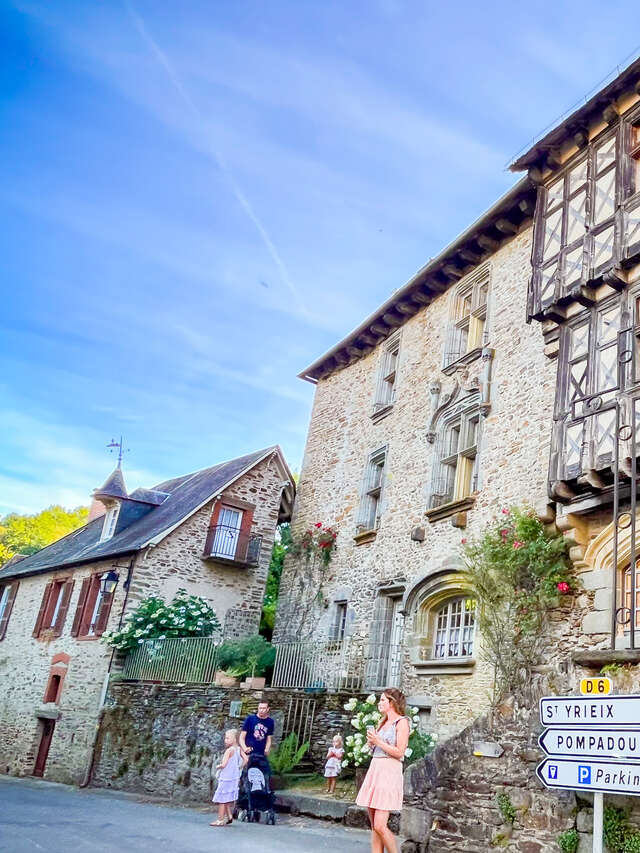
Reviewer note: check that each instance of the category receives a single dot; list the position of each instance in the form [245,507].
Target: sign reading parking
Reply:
[590,711]
[616,744]
[578,775]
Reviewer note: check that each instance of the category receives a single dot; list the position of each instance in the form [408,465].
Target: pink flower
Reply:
[463,541]
[318,524]
[517,544]
[504,533]
[505,511]
[563,587]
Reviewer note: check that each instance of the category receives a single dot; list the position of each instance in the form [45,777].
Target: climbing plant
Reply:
[519,572]
[307,571]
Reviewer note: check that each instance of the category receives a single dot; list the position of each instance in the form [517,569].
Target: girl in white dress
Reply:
[334,763]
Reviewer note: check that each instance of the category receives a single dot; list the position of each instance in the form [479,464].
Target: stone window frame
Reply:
[387,378]
[339,617]
[468,319]
[422,603]
[372,489]
[8,592]
[456,415]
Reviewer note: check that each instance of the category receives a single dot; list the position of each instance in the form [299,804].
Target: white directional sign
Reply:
[584,775]
[600,742]
[590,711]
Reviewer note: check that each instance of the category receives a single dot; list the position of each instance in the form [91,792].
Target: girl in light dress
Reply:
[381,791]
[228,779]
[334,763]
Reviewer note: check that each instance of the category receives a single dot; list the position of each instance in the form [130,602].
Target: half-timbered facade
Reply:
[210,533]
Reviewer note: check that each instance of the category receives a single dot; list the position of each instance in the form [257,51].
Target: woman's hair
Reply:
[337,737]
[233,733]
[397,699]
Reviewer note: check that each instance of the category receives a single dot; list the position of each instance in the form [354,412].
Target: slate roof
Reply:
[185,495]
[114,486]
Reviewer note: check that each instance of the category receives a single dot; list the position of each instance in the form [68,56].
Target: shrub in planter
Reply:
[251,656]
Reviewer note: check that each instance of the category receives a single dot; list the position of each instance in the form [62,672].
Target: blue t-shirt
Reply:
[257,732]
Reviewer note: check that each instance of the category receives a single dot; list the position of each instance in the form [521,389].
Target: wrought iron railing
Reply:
[176,660]
[349,664]
[230,543]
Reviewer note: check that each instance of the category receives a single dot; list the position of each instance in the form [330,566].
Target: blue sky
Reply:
[199,198]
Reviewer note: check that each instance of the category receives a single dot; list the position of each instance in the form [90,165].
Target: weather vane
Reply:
[113,444]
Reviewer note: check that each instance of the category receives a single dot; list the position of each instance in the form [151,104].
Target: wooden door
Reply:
[45,742]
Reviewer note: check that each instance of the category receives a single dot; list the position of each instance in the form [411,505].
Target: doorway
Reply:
[45,742]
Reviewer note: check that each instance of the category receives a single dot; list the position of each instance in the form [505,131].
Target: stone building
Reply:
[493,377]
[209,532]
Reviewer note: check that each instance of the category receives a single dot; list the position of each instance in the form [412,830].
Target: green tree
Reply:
[26,534]
[270,601]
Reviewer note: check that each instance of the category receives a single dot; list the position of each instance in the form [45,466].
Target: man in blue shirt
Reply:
[257,731]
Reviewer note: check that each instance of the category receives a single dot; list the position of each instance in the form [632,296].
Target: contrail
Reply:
[240,196]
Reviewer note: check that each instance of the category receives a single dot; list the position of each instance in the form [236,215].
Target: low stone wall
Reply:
[166,739]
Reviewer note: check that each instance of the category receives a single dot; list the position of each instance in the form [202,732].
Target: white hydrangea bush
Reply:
[357,752]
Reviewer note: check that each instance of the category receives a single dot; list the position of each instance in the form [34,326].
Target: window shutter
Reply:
[245,533]
[64,607]
[103,615]
[82,600]
[43,607]
[7,609]
[208,545]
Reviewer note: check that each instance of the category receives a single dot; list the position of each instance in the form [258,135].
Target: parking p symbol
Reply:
[584,774]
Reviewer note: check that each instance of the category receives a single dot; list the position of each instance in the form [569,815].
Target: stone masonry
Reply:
[512,468]
[25,662]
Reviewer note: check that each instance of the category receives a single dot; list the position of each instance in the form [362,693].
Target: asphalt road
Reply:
[40,816]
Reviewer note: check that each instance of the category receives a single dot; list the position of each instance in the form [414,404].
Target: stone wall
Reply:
[513,468]
[165,739]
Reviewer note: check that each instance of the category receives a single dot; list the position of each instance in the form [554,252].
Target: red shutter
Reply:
[43,607]
[64,607]
[245,532]
[7,609]
[103,615]
[208,545]
[82,600]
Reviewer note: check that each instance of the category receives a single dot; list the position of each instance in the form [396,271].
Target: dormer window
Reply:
[110,521]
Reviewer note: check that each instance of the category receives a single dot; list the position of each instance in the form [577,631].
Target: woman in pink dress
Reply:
[381,791]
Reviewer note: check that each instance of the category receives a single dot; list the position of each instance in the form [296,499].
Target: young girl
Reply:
[228,780]
[334,764]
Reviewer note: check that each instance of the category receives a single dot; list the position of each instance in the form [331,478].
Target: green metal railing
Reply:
[183,660]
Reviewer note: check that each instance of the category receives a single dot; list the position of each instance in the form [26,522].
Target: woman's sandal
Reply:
[219,823]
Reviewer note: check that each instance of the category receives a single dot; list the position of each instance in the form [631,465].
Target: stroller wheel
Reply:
[242,815]
[271,819]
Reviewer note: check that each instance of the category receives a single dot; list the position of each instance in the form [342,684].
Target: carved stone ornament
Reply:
[445,401]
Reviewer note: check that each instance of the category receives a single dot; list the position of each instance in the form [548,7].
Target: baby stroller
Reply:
[255,795]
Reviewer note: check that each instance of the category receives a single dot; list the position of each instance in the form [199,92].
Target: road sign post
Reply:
[593,744]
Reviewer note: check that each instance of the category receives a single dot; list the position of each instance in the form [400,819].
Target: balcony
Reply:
[184,660]
[351,664]
[230,545]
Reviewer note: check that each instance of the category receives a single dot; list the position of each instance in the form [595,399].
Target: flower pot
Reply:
[253,683]
[224,680]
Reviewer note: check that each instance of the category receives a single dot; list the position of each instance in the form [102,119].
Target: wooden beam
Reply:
[368,339]
[421,297]
[610,114]
[436,285]
[468,255]
[536,174]
[581,138]
[526,206]
[452,271]
[356,352]
[553,159]
[506,226]
[487,242]
[378,329]
[406,308]
[392,319]
[341,357]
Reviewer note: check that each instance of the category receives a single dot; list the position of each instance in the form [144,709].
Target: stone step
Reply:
[328,808]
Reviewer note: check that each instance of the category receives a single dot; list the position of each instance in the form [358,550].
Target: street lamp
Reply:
[109,582]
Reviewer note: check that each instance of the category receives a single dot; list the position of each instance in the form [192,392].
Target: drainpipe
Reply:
[105,683]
